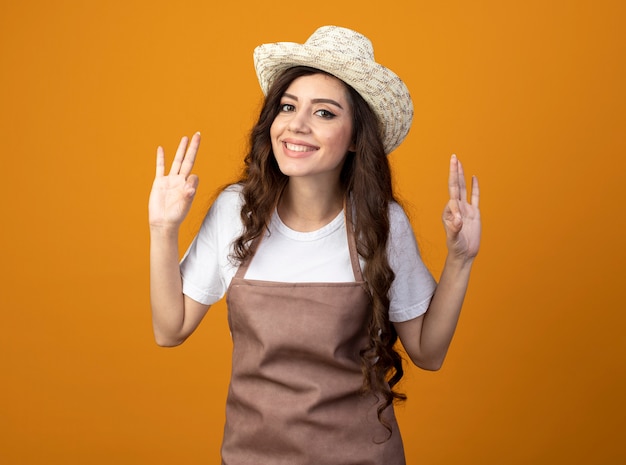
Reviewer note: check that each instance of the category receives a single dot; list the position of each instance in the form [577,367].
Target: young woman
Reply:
[318,261]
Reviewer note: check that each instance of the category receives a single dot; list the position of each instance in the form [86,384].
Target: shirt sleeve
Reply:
[206,268]
[413,286]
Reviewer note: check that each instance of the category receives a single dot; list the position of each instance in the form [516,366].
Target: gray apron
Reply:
[296,373]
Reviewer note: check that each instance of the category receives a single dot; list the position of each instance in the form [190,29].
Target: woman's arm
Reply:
[174,316]
[426,339]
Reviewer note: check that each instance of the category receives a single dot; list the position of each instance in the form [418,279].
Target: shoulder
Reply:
[230,196]
[398,219]
[396,210]
[401,235]
[227,203]
[224,213]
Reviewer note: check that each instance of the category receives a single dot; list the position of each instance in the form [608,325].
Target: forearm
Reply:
[441,319]
[427,338]
[174,316]
[166,296]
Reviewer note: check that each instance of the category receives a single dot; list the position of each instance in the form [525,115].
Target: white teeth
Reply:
[298,148]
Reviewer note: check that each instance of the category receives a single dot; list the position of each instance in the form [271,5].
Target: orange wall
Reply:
[529,94]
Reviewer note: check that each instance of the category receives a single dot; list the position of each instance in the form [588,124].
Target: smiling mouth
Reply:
[299,148]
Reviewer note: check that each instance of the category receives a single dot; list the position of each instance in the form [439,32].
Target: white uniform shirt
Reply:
[285,255]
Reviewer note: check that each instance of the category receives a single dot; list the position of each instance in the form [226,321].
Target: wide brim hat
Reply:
[349,56]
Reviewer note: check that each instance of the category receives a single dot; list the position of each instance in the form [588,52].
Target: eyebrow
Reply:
[315,100]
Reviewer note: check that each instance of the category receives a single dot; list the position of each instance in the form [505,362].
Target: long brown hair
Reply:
[366,179]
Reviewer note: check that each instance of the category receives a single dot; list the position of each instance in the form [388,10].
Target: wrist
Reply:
[164,231]
[459,262]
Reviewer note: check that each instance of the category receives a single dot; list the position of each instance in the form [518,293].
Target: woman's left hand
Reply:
[461,218]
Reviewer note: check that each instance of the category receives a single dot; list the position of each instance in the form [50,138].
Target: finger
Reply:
[462,186]
[190,155]
[160,162]
[453,179]
[475,191]
[180,155]
[452,216]
[191,185]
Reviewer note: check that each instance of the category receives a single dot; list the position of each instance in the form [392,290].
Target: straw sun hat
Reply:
[349,56]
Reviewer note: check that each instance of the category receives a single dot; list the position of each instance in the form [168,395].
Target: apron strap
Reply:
[354,255]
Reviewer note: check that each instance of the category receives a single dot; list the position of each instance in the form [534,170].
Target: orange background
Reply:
[529,94]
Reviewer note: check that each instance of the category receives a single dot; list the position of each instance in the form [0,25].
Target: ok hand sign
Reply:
[461,219]
[172,194]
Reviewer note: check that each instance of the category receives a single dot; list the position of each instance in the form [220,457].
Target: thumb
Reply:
[452,215]
[191,185]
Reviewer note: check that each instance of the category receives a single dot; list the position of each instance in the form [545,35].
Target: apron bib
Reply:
[296,373]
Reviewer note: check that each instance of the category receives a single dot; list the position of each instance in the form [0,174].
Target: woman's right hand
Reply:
[172,194]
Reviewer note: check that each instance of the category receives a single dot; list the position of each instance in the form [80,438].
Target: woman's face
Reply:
[313,129]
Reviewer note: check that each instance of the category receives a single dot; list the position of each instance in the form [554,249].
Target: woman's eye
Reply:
[325,114]
[287,107]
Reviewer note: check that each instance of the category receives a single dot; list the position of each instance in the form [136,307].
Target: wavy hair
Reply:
[366,179]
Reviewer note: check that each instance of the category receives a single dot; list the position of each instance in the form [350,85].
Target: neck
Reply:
[307,207]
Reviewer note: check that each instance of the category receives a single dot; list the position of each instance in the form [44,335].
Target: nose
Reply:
[298,123]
